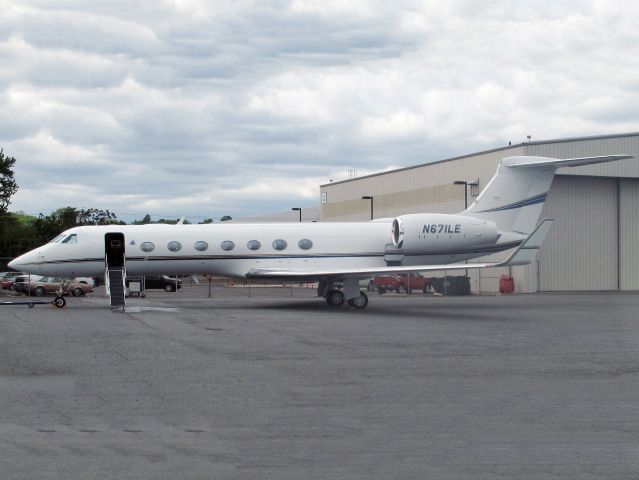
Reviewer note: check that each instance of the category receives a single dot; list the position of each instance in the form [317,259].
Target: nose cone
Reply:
[25,263]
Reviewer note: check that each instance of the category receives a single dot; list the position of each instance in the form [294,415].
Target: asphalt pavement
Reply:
[278,385]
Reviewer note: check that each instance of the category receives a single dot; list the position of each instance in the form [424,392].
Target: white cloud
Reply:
[245,106]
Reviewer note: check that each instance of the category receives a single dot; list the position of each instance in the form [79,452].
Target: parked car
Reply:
[44,285]
[405,283]
[164,282]
[8,279]
[86,280]
[21,282]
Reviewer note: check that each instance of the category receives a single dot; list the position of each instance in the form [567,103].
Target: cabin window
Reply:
[58,238]
[253,245]
[174,246]
[201,245]
[147,246]
[279,244]
[305,244]
[71,239]
[227,245]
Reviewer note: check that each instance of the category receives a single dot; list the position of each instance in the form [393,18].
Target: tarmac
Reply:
[282,386]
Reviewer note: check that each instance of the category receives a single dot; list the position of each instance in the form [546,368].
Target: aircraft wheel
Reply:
[335,298]
[59,302]
[359,302]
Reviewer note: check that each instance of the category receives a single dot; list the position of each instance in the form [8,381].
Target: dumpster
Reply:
[451,285]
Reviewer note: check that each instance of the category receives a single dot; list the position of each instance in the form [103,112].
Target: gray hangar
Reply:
[593,244]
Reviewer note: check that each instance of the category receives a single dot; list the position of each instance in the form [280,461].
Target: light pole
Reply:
[299,210]
[465,184]
[368,197]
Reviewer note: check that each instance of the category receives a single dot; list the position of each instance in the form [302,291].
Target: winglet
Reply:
[525,253]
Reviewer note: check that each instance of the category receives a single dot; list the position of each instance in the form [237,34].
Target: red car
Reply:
[8,279]
[403,283]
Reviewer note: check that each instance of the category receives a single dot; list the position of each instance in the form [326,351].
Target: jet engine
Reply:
[427,233]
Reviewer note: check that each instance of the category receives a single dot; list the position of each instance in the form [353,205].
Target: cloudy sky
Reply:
[208,108]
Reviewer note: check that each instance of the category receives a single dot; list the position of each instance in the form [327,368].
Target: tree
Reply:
[20,233]
[145,220]
[95,216]
[49,226]
[206,221]
[16,234]
[8,185]
[226,218]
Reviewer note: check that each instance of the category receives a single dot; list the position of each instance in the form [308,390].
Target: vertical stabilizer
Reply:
[515,196]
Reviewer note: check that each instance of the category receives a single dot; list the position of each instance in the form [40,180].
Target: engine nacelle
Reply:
[426,233]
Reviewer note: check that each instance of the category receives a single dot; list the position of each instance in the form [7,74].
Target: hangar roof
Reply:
[507,147]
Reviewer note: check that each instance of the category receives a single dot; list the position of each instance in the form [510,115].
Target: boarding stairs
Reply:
[115,286]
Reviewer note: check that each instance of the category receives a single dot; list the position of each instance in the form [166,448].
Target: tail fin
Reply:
[513,199]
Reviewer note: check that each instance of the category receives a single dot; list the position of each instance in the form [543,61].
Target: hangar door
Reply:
[629,234]
[581,250]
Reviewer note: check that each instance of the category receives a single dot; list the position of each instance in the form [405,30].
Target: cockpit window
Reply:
[73,238]
[58,238]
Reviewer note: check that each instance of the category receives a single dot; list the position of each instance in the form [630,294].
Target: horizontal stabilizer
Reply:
[558,163]
[524,254]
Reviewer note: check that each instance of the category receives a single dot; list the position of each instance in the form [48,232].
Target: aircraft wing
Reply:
[523,255]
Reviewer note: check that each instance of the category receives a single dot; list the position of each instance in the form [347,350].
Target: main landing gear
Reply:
[336,297]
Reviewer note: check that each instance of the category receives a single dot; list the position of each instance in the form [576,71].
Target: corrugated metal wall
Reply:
[629,230]
[580,252]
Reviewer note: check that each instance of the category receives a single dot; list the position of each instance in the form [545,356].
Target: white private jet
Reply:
[337,255]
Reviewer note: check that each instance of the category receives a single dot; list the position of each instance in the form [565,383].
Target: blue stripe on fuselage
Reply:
[541,198]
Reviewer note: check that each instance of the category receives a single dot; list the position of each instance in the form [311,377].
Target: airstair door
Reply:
[115,267]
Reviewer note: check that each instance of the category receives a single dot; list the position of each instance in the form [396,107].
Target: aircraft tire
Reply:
[335,298]
[59,302]
[359,302]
